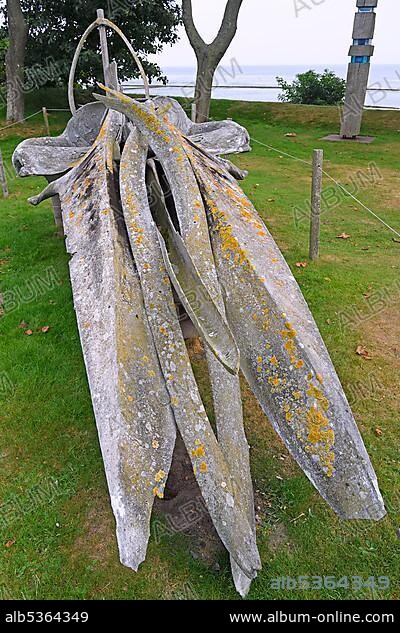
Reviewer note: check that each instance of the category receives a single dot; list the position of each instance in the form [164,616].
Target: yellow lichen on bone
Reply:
[199,451]
[316,393]
[160,476]
[321,439]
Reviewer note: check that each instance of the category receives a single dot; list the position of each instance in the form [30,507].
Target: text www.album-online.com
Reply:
[322,618]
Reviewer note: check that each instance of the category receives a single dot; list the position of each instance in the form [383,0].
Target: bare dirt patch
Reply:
[382,334]
[279,539]
[97,538]
[185,512]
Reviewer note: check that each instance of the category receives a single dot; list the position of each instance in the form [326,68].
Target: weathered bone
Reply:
[131,404]
[55,155]
[196,300]
[210,468]
[226,398]
[141,380]
[218,137]
[163,137]
[282,353]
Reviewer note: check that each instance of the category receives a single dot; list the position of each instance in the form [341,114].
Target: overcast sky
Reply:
[269,32]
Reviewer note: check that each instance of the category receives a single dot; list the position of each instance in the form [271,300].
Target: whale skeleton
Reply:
[195,239]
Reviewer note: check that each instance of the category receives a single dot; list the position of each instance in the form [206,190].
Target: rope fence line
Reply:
[30,116]
[19,122]
[274,149]
[238,87]
[337,183]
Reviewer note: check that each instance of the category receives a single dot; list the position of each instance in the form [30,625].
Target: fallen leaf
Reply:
[271,199]
[397,241]
[343,236]
[379,432]
[365,248]
[291,134]
[361,351]
[28,332]
[10,543]
[45,329]
[23,325]
[302,264]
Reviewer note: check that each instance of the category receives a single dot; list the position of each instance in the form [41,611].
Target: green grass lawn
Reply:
[56,526]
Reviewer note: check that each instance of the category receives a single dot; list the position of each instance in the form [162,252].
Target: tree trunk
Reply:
[15,61]
[204,81]
[209,55]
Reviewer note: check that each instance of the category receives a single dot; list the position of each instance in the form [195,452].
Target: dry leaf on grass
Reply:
[45,329]
[302,264]
[28,332]
[364,353]
[343,236]
[379,432]
[10,543]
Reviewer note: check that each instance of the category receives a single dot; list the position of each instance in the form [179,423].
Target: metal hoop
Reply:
[92,27]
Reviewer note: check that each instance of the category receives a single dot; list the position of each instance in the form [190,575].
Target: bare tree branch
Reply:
[195,39]
[228,29]
[209,55]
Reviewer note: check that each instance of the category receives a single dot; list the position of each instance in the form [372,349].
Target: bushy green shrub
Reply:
[312,88]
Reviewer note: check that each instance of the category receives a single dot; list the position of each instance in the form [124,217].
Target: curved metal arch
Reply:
[92,27]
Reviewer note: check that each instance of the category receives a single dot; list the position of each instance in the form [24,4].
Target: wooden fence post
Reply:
[318,161]
[3,177]
[46,121]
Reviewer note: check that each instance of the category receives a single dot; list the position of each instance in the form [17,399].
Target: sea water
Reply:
[247,83]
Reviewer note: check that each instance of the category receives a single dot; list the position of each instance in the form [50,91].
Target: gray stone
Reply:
[352,110]
[336,138]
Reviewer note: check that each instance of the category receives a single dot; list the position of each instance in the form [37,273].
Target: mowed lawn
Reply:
[56,526]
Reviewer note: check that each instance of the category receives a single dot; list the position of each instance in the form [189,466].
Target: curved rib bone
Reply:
[211,470]
[166,141]
[282,353]
[196,300]
[134,419]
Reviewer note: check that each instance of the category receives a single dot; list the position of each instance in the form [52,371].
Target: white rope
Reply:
[19,122]
[309,163]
